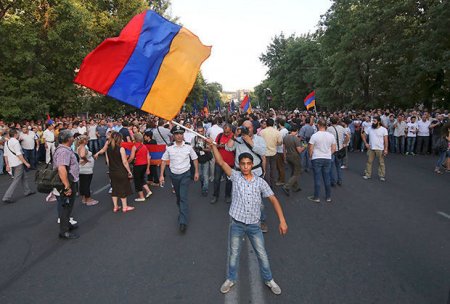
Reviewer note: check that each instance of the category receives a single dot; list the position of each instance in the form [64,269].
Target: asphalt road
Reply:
[376,243]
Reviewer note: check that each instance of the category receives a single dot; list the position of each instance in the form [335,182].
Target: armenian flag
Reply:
[310,100]
[246,106]
[152,65]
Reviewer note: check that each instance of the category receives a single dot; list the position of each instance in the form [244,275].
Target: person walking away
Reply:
[411,136]
[245,213]
[86,170]
[16,164]
[179,155]
[293,148]
[140,156]
[119,173]
[280,153]
[341,139]
[272,138]
[65,162]
[376,147]
[204,156]
[221,140]
[49,142]
[305,135]
[321,146]
[29,143]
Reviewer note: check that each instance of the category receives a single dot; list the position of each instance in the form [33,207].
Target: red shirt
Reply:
[228,156]
[141,155]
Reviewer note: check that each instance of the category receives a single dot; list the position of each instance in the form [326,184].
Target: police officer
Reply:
[179,155]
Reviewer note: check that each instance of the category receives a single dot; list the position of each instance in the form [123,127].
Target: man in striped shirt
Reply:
[245,213]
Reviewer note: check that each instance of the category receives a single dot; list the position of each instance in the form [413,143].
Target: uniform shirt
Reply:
[259,148]
[12,146]
[28,140]
[424,128]
[49,136]
[322,142]
[179,157]
[376,138]
[272,137]
[246,197]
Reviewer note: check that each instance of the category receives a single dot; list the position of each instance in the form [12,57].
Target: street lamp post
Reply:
[268,96]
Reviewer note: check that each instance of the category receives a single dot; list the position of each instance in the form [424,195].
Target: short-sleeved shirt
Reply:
[338,132]
[272,137]
[400,129]
[322,142]
[179,157]
[64,156]
[412,128]
[161,135]
[376,138]
[92,132]
[291,142]
[246,197]
[140,154]
[283,133]
[12,149]
[28,141]
[102,130]
[49,136]
[424,128]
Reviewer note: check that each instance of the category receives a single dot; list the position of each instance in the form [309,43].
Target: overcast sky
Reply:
[240,30]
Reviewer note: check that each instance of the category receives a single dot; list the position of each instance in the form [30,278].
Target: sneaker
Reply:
[279,184]
[314,199]
[366,177]
[50,197]
[213,200]
[148,194]
[382,179]
[226,286]
[110,190]
[92,203]
[139,199]
[274,287]
[343,167]
[264,228]
[328,200]
[71,221]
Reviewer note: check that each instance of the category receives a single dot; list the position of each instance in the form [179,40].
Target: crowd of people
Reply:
[253,149]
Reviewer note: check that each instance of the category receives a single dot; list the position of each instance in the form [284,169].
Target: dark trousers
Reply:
[218,173]
[30,156]
[153,174]
[85,184]
[422,144]
[41,153]
[400,144]
[139,177]
[180,184]
[280,168]
[65,207]
[294,164]
[271,166]
[93,145]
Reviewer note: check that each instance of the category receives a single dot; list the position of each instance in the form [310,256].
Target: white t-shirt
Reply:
[214,131]
[412,127]
[424,128]
[366,126]
[322,142]
[82,130]
[188,136]
[49,136]
[283,133]
[13,145]
[376,138]
[92,132]
[28,140]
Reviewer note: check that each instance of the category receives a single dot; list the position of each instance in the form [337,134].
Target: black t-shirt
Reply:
[125,133]
[150,142]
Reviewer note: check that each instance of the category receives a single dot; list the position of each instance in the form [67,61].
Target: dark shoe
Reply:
[183,227]
[228,199]
[297,190]
[333,185]
[286,191]
[68,236]
[73,227]
[339,183]
[31,193]
[8,201]
[214,200]
[204,193]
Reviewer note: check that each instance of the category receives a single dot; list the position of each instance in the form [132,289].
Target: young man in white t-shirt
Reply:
[423,135]
[377,146]
[321,146]
[411,136]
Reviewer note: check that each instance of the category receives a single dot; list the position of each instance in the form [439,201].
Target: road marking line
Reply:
[101,189]
[443,214]
[256,285]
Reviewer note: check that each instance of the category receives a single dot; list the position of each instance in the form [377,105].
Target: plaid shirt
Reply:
[64,156]
[246,204]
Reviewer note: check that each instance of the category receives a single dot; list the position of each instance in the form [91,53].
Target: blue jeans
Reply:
[441,159]
[391,143]
[1,161]
[93,145]
[101,142]
[305,161]
[30,156]
[181,186]
[204,176]
[410,143]
[253,231]
[322,168]
[400,144]
[335,170]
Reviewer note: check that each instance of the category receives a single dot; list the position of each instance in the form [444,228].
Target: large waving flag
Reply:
[246,106]
[310,100]
[155,151]
[152,65]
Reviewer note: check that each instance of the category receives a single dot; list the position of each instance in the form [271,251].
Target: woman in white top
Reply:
[86,170]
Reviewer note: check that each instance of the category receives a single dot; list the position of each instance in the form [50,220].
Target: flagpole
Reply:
[187,129]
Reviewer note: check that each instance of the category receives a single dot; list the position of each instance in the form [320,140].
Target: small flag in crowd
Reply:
[310,100]
[152,65]
[246,106]
[218,105]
